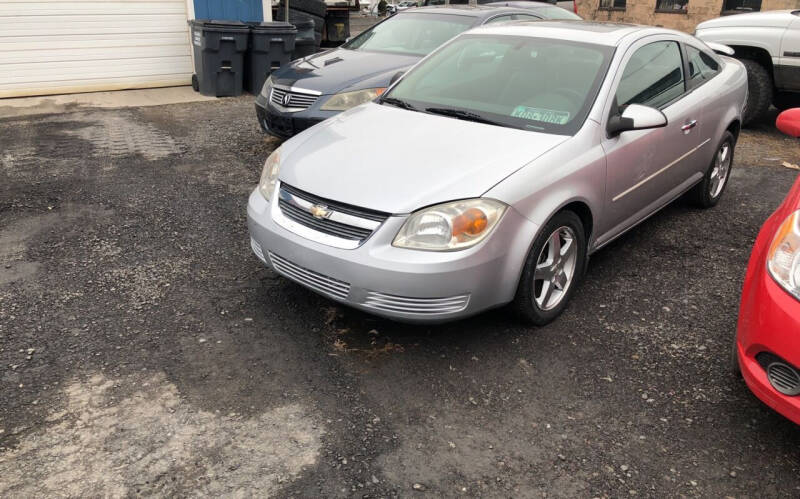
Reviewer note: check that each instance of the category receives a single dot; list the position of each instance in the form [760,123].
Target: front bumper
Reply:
[401,284]
[769,322]
[285,125]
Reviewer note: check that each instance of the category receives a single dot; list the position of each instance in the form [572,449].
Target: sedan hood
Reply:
[340,69]
[397,161]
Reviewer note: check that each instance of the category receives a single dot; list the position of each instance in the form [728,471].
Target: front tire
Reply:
[708,192]
[759,91]
[554,267]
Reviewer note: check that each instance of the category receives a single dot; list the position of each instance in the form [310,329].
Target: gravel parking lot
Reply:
[144,350]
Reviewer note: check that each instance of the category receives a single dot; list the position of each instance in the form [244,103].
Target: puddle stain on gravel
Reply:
[151,442]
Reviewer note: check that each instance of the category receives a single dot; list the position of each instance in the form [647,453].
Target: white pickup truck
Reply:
[768,44]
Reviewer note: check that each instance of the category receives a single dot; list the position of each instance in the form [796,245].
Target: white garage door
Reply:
[58,46]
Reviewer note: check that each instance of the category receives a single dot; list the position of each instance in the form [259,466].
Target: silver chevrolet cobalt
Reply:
[526,147]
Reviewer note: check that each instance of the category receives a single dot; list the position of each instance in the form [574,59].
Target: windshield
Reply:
[556,13]
[535,84]
[411,33]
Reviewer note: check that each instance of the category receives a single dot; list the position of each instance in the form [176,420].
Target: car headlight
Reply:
[783,259]
[346,100]
[450,226]
[265,88]
[269,176]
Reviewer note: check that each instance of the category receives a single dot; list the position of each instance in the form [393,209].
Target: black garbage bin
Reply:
[337,24]
[271,47]
[219,48]
[305,43]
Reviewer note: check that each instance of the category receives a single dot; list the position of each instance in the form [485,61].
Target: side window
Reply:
[653,76]
[702,67]
[499,19]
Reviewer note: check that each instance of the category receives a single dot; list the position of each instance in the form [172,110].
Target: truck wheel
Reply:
[759,91]
[786,100]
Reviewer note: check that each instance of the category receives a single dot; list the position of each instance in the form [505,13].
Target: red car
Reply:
[767,347]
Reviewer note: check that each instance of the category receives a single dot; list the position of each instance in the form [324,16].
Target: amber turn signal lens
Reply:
[470,223]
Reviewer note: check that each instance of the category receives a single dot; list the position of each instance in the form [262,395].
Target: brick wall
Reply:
[644,12]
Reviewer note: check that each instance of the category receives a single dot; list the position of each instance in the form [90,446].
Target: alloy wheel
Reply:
[719,174]
[555,268]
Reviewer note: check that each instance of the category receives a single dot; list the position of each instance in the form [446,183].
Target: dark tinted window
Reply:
[612,4]
[672,5]
[702,67]
[653,76]
[742,6]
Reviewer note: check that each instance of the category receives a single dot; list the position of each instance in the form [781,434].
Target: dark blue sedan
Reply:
[322,85]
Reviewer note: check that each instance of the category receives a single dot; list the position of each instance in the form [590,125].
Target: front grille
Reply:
[344,221]
[394,303]
[314,280]
[297,100]
[326,226]
[377,216]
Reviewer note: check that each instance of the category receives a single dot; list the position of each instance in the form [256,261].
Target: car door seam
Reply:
[659,172]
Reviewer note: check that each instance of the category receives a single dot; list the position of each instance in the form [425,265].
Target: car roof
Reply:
[598,33]
[523,4]
[463,10]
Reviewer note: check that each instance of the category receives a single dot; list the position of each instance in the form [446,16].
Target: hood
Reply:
[397,161]
[774,19]
[342,69]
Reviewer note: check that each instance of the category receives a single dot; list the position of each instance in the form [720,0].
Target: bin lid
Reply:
[274,27]
[219,25]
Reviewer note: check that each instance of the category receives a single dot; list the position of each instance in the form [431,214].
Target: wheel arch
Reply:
[758,54]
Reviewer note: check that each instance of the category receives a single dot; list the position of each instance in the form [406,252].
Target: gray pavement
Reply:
[145,351]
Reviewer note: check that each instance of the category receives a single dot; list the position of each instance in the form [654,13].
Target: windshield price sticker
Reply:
[542,115]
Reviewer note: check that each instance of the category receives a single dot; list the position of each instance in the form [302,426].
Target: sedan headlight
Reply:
[269,176]
[783,259]
[346,100]
[450,226]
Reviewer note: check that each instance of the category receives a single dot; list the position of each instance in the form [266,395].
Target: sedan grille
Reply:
[333,218]
[394,303]
[290,99]
[314,280]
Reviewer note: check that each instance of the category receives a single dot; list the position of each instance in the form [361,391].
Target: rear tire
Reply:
[195,83]
[709,191]
[553,269]
[759,91]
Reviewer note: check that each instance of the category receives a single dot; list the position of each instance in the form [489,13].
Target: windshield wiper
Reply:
[398,102]
[462,115]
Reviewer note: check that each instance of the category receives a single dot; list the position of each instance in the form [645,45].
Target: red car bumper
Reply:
[769,319]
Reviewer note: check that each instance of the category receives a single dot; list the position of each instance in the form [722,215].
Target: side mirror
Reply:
[396,77]
[347,40]
[635,117]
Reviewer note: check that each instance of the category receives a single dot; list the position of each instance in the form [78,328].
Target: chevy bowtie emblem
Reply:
[319,211]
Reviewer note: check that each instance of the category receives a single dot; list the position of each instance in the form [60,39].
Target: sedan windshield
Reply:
[535,84]
[411,33]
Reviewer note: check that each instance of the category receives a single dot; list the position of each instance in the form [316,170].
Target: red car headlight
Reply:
[783,259]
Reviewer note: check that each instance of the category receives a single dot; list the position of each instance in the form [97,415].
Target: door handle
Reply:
[688,126]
